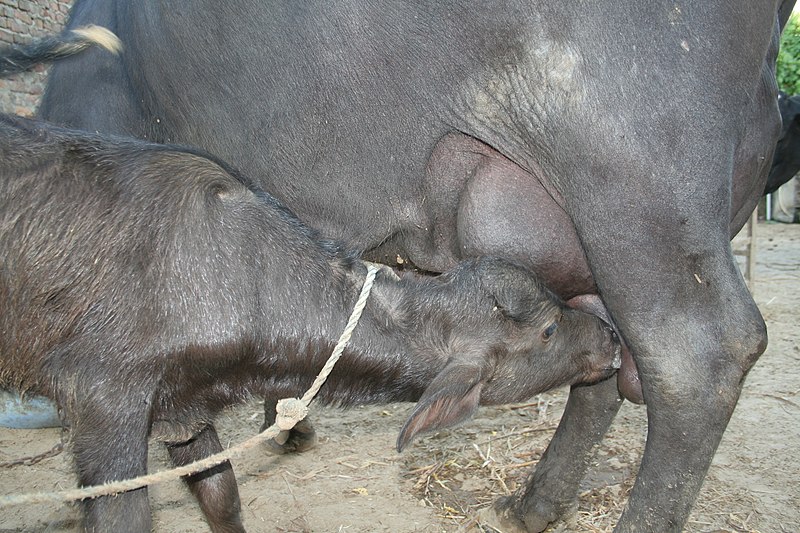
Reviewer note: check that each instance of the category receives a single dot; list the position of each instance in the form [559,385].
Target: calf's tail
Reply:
[16,59]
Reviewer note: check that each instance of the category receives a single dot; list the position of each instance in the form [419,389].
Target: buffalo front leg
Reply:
[551,492]
[215,488]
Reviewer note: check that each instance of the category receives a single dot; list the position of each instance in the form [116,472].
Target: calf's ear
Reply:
[452,397]
[516,292]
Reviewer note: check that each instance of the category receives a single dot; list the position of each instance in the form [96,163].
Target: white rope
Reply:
[289,412]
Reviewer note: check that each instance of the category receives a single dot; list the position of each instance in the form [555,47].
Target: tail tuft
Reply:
[100,36]
[14,59]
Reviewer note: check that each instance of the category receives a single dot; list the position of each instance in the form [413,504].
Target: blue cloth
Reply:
[28,412]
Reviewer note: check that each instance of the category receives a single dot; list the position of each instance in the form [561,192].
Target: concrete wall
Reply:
[21,21]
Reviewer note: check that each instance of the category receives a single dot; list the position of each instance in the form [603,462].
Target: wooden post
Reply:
[748,250]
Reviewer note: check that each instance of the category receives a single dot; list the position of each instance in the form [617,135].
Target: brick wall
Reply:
[21,21]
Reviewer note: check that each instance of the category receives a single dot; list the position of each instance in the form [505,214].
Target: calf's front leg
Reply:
[300,438]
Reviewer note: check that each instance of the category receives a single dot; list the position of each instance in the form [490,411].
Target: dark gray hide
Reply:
[613,146]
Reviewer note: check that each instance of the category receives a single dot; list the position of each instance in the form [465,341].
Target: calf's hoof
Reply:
[300,438]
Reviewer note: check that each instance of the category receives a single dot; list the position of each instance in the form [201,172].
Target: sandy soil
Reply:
[354,481]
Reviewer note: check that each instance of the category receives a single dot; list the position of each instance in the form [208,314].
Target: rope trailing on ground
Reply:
[33,459]
[289,412]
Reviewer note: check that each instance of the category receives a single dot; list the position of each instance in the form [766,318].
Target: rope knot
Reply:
[290,411]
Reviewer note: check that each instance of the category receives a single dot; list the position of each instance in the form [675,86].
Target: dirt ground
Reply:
[354,481]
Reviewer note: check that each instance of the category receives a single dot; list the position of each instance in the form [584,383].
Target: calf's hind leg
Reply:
[109,444]
[215,488]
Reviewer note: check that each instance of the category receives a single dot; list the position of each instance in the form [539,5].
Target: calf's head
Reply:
[506,338]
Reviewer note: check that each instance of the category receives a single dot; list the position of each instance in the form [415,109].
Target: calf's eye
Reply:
[551,329]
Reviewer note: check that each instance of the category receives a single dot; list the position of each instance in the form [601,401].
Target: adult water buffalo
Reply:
[786,160]
[615,147]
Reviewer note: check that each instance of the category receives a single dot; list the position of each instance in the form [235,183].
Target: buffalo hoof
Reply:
[497,519]
[300,438]
[509,518]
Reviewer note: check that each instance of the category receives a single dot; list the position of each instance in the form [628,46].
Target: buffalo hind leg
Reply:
[687,416]
[300,438]
[215,488]
[551,493]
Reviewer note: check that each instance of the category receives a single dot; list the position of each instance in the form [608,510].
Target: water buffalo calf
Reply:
[146,287]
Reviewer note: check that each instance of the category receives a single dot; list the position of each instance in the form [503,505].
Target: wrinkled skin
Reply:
[614,147]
